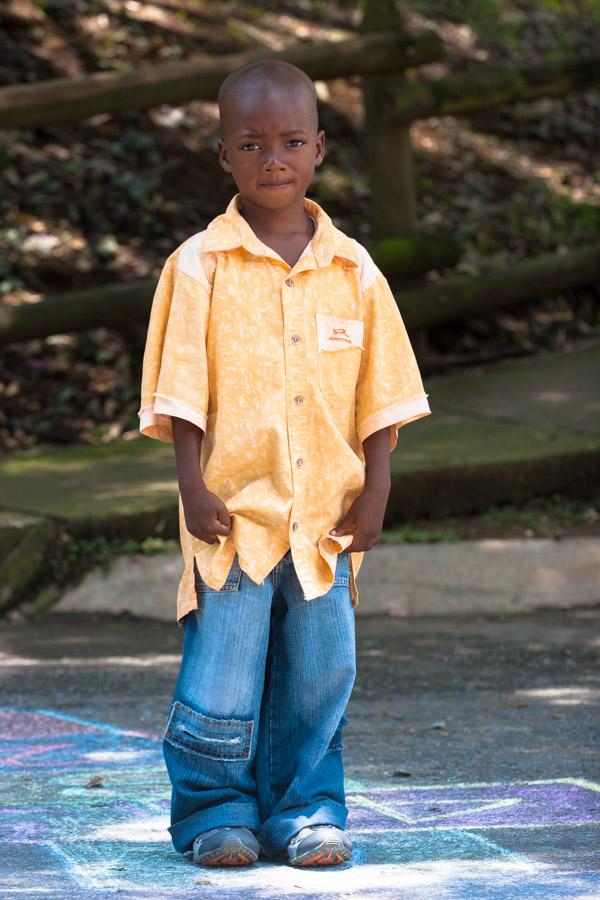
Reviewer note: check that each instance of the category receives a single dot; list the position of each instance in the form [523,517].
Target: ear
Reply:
[320,148]
[223,159]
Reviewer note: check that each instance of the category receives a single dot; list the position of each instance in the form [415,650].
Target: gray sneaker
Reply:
[319,845]
[226,845]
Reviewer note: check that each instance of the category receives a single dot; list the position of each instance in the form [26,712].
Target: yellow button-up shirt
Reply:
[287,371]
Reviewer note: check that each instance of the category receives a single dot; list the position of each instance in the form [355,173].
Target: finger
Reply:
[224,517]
[220,528]
[343,527]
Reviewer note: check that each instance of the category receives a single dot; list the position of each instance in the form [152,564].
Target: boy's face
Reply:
[270,139]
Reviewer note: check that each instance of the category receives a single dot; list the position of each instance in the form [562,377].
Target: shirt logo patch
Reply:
[336,333]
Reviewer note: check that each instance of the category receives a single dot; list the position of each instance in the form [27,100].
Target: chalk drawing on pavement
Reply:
[114,837]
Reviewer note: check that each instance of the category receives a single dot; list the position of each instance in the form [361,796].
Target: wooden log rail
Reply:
[480,89]
[456,297]
[115,305]
[460,296]
[72,99]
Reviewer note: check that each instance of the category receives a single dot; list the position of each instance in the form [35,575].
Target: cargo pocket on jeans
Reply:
[223,739]
[336,740]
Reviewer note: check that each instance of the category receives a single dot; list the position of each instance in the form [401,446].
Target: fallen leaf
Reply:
[96,781]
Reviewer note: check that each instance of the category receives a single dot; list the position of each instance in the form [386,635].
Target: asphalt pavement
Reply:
[472,762]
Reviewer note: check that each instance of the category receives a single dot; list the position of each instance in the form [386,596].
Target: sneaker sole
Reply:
[328,853]
[229,854]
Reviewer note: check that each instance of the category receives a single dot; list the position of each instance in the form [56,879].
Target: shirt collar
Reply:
[230,230]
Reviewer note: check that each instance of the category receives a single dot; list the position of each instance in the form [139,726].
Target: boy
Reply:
[278,364]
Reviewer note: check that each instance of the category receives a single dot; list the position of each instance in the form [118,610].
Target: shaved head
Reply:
[258,79]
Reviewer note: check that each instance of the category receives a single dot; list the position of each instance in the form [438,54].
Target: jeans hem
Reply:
[275,833]
[183,833]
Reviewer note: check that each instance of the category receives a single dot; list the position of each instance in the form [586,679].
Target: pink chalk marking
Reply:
[15,724]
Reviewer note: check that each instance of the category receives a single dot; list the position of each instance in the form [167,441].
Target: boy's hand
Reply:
[364,519]
[206,515]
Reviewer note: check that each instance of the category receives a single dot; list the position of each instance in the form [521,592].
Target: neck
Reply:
[291,220]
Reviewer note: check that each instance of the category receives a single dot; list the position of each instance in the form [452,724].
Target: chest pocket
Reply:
[340,345]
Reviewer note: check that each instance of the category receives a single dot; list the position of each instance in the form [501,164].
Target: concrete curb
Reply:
[454,578]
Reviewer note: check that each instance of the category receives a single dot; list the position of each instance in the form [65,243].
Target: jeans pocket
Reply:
[342,569]
[232,582]
[193,731]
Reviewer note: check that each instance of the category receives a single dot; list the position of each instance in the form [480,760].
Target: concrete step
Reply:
[448,579]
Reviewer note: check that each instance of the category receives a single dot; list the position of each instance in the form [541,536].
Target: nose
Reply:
[271,161]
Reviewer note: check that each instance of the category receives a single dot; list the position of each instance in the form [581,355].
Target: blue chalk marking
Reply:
[502,851]
[70,865]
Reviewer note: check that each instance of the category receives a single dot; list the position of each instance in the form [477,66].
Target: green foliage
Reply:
[410,535]
[252,11]
[318,8]
[557,507]
[65,395]
[542,516]
[76,555]
[589,9]
[540,215]
[238,33]
[489,18]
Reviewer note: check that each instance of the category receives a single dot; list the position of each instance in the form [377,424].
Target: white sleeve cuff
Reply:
[155,418]
[394,417]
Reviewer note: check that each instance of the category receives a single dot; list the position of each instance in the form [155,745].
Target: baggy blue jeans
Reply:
[254,734]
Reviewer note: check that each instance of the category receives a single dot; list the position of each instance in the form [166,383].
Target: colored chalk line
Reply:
[103,846]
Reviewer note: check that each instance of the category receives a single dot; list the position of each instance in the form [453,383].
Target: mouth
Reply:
[276,185]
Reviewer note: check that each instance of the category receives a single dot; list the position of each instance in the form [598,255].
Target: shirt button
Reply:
[296,338]
[299,462]
[298,399]
[295,525]
[289,282]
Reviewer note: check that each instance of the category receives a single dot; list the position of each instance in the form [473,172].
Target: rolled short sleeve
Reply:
[389,390]
[174,371]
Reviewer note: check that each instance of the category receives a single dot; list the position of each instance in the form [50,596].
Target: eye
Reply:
[297,141]
[248,145]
